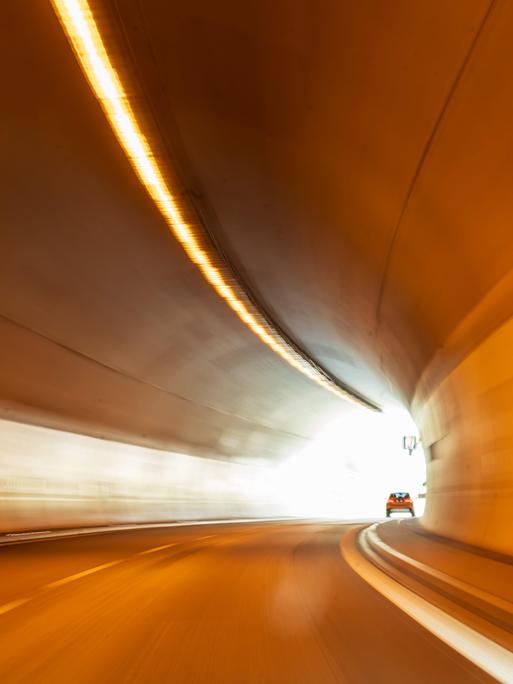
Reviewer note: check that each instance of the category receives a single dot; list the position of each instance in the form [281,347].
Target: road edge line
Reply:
[487,655]
[29,537]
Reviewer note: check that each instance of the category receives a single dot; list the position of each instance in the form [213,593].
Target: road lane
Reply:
[236,603]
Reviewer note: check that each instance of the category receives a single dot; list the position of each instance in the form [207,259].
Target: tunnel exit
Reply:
[351,467]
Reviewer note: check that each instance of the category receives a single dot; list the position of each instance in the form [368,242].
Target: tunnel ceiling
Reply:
[337,153]
[331,148]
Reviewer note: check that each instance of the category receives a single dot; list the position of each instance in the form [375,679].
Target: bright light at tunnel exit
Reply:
[80,26]
[351,468]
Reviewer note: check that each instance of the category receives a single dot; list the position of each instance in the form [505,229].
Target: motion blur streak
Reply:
[80,26]
[54,480]
[256,603]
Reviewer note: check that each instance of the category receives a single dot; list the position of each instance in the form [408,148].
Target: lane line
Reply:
[13,604]
[23,534]
[478,649]
[14,538]
[156,548]
[90,571]
[79,575]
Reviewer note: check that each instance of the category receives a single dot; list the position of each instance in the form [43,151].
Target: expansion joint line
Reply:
[82,31]
[442,113]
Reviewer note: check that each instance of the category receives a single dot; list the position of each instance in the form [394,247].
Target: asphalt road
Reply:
[241,603]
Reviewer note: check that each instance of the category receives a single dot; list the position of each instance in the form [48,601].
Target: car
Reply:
[398,502]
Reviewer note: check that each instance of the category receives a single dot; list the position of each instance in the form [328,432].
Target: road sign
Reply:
[410,443]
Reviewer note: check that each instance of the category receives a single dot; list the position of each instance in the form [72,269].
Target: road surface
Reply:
[241,603]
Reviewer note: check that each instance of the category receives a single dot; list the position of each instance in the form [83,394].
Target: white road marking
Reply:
[373,539]
[13,604]
[27,534]
[31,537]
[79,575]
[156,548]
[478,649]
[67,534]
[72,578]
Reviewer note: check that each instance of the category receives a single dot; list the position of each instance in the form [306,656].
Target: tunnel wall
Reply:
[464,408]
[372,264]
[51,479]
[106,327]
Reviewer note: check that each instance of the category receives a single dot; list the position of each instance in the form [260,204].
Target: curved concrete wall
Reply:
[464,406]
[373,150]
[106,328]
[51,479]
[354,163]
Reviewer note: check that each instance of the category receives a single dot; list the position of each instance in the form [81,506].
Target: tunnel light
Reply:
[82,31]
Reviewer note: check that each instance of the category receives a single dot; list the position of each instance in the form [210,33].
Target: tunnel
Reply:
[225,224]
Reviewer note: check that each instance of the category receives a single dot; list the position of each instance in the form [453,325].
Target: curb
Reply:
[492,608]
[485,653]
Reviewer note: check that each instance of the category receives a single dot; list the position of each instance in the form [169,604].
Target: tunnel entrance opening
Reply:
[349,470]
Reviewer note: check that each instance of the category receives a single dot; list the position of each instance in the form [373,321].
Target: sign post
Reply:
[410,443]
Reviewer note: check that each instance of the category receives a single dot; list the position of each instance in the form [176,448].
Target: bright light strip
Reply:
[82,31]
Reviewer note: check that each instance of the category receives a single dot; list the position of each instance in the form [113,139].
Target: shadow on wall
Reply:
[51,479]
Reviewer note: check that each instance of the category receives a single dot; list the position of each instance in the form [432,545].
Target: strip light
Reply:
[82,31]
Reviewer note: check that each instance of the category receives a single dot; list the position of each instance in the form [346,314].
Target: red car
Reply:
[398,502]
